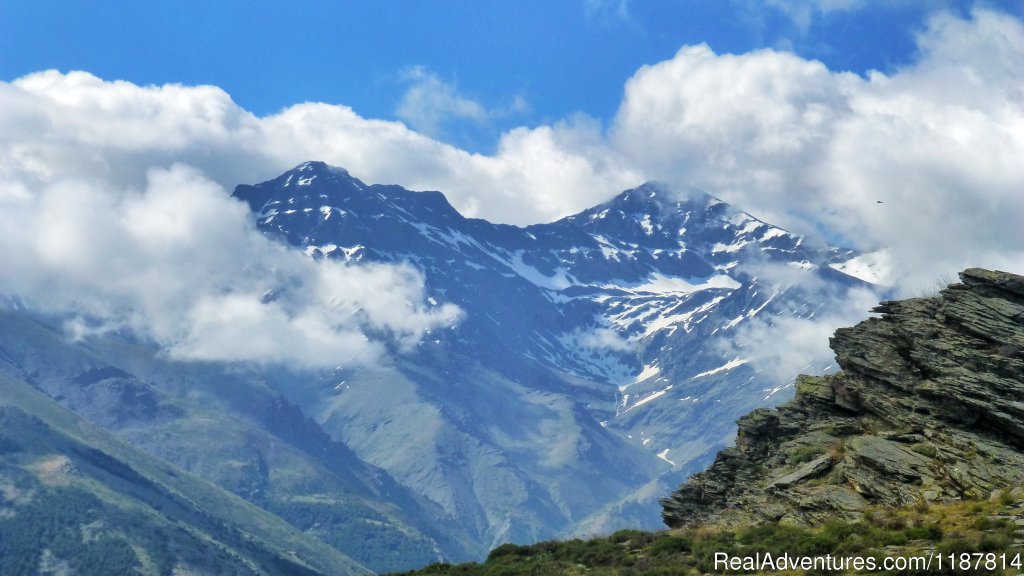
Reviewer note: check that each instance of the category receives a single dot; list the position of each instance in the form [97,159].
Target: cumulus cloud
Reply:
[180,262]
[88,168]
[924,162]
[76,123]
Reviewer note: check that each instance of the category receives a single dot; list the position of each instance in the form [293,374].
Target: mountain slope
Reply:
[72,497]
[597,331]
[927,409]
[229,428]
[910,460]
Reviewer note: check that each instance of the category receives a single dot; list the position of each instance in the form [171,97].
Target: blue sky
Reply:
[804,113]
[512,62]
[124,126]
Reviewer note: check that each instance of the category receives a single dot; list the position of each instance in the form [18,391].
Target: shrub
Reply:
[1005,498]
[954,546]
[995,543]
[925,449]
[805,454]
[671,545]
[508,550]
[926,532]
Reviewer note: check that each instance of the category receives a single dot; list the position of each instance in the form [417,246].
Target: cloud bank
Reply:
[114,196]
[782,346]
[180,262]
[937,143]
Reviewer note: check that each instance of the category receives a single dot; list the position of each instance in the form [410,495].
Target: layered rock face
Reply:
[929,406]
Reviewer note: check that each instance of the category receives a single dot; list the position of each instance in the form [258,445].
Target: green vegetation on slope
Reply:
[995,526]
[226,426]
[75,500]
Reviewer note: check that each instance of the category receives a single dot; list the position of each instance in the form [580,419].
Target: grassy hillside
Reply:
[74,499]
[987,531]
[225,425]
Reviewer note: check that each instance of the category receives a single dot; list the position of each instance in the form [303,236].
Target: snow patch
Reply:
[646,225]
[873,267]
[560,280]
[659,283]
[731,364]
[736,247]
[654,396]
[649,371]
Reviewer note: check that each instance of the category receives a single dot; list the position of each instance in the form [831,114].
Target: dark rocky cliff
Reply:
[928,407]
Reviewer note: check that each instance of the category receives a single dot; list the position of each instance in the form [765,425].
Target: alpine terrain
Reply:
[908,461]
[587,375]
[593,367]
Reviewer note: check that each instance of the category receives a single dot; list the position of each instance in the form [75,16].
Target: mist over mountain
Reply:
[627,338]
[522,383]
[908,460]
[229,344]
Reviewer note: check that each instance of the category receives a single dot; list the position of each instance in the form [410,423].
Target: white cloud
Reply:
[430,105]
[729,122]
[536,174]
[803,13]
[604,339]
[782,346]
[430,102]
[181,263]
[938,143]
[77,124]
[97,200]
[607,11]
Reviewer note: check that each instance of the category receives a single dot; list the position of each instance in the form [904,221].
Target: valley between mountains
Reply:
[594,364]
[590,370]
[910,460]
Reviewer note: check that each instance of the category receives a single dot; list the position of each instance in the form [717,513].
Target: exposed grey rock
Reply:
[812,469]
[928,407]
[831,497]
[890,459]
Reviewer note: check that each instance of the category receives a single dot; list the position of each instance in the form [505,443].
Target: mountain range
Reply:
[602,329]
[590,372]
[910,460]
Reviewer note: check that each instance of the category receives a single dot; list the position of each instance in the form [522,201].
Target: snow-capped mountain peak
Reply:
[612,314]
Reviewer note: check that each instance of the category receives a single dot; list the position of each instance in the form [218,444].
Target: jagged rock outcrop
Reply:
[929,406]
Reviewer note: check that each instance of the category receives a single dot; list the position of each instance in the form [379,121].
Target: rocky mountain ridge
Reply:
[928,407]
[584,381]
[910,460]
[602,329]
